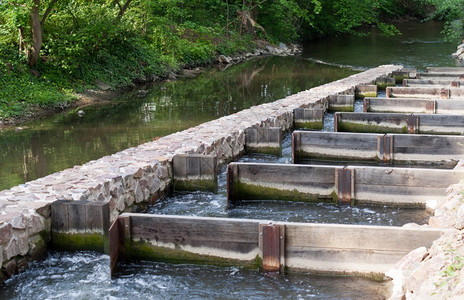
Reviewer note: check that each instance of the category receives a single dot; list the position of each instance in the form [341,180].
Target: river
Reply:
[66,140]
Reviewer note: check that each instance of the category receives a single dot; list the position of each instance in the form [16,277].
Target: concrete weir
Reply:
[272,246]
[399,123]
[414,105]
[138,176]
[396,149]
[412,187]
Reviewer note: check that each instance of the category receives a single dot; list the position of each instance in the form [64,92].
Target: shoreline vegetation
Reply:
[54,54]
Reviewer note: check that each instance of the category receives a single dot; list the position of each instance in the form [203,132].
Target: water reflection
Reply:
[419,46]
[67,139]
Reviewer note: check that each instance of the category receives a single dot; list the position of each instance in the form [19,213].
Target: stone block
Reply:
[6,231]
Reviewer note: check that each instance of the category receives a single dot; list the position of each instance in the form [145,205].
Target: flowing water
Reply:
[66,140]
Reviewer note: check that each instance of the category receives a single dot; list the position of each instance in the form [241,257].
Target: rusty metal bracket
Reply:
[345,186]
[385,148]
[430,106]
[366,105]
[445,93]
[413,124]
[272,242]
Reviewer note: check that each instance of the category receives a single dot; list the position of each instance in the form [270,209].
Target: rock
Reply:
[224,59]
[402,270]
[283,46]
[102,86]
[10,268]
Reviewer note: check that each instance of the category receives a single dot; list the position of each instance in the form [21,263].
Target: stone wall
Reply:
[140,175]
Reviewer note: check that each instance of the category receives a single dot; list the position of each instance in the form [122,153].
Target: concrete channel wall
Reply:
[410,149]
[412,187]
[275,246]
[141,175]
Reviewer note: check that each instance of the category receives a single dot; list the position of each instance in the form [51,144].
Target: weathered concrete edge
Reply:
[141,174]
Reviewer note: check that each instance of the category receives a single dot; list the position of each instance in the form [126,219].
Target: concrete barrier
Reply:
[340,146]
[362,91]
[433,83]
[266,140]
[399,123]
[450,107]
[404,73]
[448,70]
[416,92]
[341,102]
[194,172]
[375,122]
[278,246]
[414,105]
[383,82]
[80,225]
[309,118]
[399,149]
[317,183]
[440,76]
[400,105]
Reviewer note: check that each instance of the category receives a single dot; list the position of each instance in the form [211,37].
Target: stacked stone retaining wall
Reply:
[141,175]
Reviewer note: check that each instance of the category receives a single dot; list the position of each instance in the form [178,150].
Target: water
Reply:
[66,140]
[206,204]
[419,46]
[85,275]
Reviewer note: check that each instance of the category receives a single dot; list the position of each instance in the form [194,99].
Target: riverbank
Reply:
[103,93]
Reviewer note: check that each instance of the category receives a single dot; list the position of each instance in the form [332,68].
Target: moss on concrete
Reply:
[244,191]
[189,185]
[344,108]
[365,95]
[79,242]
[142,250]
[315,125]
[345,126]
[277,151]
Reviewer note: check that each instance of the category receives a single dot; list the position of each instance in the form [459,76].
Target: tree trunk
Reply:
[36,30]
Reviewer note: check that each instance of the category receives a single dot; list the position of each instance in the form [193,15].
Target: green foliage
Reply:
[88,41]
[451,11]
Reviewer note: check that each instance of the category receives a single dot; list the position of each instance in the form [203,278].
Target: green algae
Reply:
[314,125]
[341,108]
[79,242]
[192,185]
[277,151]
[143,250]
[244,191]
[344,126]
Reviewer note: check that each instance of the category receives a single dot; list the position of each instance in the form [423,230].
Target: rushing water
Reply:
[85,275]
[208,204]
[66,140]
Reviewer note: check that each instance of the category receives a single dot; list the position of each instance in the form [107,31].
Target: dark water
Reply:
[419,46]
[67,140]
